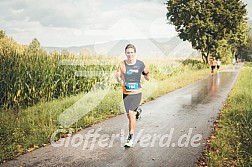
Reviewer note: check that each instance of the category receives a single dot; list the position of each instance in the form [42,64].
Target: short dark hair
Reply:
[130,46]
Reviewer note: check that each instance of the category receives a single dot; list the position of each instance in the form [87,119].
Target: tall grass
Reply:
[231,143]
[28,79]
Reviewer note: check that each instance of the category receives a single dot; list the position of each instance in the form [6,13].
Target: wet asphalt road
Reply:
[172,132]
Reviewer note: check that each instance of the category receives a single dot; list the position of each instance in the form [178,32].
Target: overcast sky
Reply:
[79,22]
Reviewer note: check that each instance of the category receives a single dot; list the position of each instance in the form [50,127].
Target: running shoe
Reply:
[138,114]
[129,142]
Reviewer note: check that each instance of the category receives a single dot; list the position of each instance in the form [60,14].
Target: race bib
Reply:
[132,86]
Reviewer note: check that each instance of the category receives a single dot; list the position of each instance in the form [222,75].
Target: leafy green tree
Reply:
[224,51]
[236,26]
[2,34]
[205,22]
[245,51]
[35,48]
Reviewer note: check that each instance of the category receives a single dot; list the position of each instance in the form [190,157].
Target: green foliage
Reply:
[204,23]
[2,34]
[248,64]
[34,48]
[29,79]
[31,75]
[9,46]
[224,52]
[246,50]
[163,71]
[194,64]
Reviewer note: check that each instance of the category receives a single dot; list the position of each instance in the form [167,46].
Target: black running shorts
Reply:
[131,101]
[212,67]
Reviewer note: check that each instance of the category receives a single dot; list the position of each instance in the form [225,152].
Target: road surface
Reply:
[172,132]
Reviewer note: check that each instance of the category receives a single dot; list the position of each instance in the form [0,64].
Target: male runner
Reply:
[129,74]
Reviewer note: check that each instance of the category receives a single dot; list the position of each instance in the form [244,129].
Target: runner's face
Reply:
[130,54]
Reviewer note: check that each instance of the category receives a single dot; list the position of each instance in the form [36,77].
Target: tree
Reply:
[245,51]
[239,39]
[2,34]
[34,48]
[205,22]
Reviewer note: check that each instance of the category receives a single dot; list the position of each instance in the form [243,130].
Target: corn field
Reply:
[28,79]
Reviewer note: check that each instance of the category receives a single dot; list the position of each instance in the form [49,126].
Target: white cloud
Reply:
[160,29]
[69,22]
[76,22]
[138,20]
[249,8]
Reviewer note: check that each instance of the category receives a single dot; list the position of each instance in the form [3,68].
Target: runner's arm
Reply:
[146,74]
[119,76]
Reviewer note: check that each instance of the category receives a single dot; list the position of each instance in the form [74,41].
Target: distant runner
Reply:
[218,64]
[129,75]
[213,64]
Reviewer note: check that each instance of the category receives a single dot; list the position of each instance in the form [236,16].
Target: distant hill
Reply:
[172,47]
[169,47]
[250,25]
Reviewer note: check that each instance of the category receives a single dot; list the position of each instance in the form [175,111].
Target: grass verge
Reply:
[231,141]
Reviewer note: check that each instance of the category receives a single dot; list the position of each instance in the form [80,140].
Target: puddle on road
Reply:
[205,91]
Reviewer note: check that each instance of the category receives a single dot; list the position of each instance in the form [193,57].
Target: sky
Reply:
[65,23]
